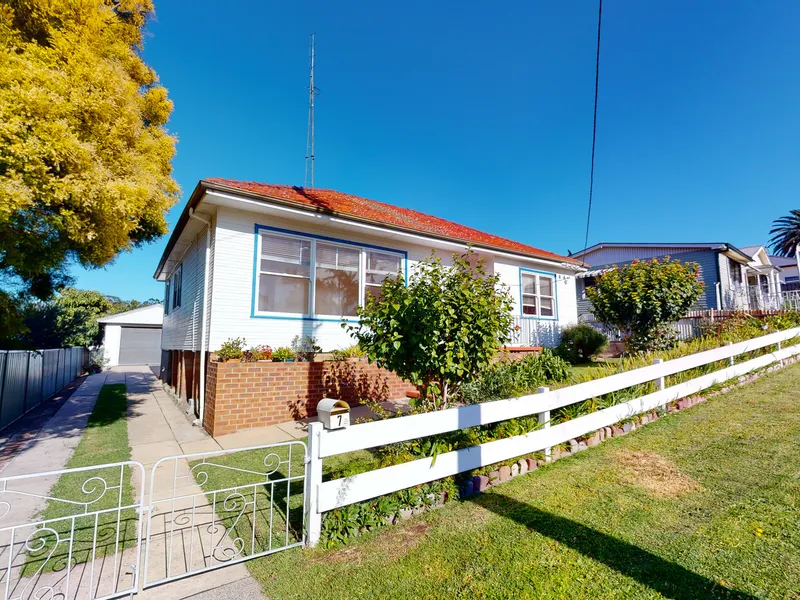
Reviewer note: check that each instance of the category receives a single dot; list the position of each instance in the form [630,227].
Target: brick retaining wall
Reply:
[242,396]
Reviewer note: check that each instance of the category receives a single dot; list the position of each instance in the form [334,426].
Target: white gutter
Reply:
[204,324]
[719,296]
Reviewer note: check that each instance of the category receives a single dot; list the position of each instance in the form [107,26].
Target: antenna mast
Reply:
[312,91]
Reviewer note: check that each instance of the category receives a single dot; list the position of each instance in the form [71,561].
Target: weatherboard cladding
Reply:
[380,212]
[706,259]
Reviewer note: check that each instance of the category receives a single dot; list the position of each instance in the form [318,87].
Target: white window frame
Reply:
[313,240]
[537,276]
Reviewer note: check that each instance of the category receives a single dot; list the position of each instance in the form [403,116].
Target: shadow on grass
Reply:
[667,578]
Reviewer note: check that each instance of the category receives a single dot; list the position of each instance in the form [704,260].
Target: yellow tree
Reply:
[85,157]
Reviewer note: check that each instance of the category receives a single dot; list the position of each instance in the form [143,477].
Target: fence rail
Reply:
[341,492]
[690,326]
[27,378]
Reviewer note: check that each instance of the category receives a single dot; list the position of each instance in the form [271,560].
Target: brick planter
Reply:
[242,396]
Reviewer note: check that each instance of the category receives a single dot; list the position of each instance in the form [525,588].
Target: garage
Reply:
[140,346]
[133,337]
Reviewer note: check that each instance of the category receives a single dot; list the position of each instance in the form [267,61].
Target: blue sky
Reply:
[481,113]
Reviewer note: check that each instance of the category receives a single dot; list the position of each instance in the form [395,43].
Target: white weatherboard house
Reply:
[270,262]
[133,337]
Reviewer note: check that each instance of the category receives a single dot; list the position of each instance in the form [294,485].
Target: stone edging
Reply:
[481,483]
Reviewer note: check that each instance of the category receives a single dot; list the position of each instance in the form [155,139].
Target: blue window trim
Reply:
[555,295]
[257,230]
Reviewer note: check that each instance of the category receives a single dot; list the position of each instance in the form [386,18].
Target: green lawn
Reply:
[104,441]
[703,504]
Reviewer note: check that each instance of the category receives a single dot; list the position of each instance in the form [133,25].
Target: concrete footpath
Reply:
[156,428]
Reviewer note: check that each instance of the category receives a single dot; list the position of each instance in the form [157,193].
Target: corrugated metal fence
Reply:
[27,378]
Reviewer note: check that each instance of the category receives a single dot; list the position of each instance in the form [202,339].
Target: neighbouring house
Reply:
[734,279]
[789,271]
[133,337]
[270,262]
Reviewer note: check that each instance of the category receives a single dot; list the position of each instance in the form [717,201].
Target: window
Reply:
[177,287]
[166,297]
[538,295]
[304,276]
[284,281]
[380,266]
[337,277]
[736,271]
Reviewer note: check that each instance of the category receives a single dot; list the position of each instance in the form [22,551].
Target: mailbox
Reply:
[333,414]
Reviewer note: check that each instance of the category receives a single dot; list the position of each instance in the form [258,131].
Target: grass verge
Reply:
[702,504]
[105,440]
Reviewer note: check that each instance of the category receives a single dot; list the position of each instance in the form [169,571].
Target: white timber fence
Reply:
[28,377]
[322,443]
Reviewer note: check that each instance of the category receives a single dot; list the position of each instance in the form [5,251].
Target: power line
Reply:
[594,123]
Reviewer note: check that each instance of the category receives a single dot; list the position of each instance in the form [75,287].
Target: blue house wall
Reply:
[709,275]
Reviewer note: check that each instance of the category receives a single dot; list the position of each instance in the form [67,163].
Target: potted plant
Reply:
[97,360]
[283,354]
[260,353]
[231,351]
[305,348]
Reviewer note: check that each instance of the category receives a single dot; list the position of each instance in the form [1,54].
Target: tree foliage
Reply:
[785,234]
[85,159]
[68,319]
[642,299]
[439,331]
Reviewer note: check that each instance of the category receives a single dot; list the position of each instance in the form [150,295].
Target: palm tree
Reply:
[786,234]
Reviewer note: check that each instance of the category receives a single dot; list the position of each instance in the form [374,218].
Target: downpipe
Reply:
[204,323]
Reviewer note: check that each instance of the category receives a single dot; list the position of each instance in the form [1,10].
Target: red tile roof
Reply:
[379,212]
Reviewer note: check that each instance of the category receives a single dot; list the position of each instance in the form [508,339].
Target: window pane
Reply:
[281,254]
[528,305]
[336,291]
[529,284]
[547,306]
[372,290]
[277,293]
[545,286]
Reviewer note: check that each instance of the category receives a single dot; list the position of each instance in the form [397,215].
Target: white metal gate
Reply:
[78,533]
[86,542]
[213,509]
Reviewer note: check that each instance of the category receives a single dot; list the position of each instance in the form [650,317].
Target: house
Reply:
[789,275]
[133,337]
[270,262]
[734,279]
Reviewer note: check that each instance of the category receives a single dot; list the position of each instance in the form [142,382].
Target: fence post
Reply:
[732,360]
[660,381]
[313,481]
[544,421]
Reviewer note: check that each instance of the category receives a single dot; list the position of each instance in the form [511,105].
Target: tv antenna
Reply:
[312,91]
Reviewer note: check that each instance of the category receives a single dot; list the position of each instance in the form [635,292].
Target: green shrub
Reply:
[440,329]
[353,351]
[283,354]
[232,349]
[643,300]
[508,379]
[579,343]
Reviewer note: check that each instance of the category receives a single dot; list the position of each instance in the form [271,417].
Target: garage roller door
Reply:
[140,346]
